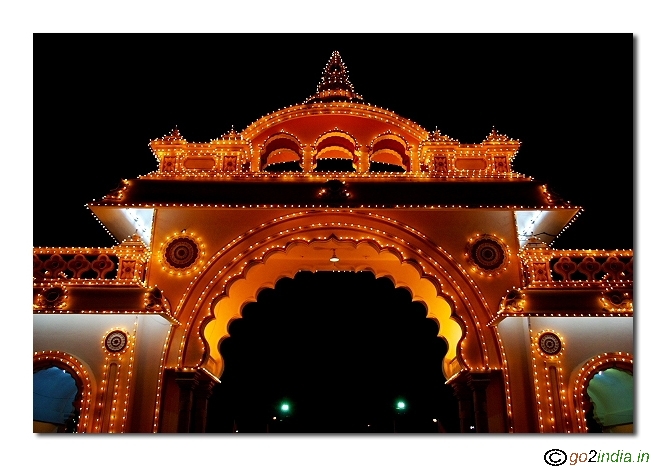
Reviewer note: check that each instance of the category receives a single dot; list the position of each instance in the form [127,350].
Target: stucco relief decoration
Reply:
[229,163]
[488,254]
[52,298]
[334,191]
[514,301]
[127,268]
[37,266]
[617,301]
[103,265]
[155,301]
[168,164]
[540,272]
[550,344]
[115,341]
[440,163]
[589,267]
[78,265]
[565,267]
[614,268]
[182,253]
[54,266]
[117,194]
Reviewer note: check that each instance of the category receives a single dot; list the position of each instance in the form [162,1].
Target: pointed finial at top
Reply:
[174,136]
[334,84]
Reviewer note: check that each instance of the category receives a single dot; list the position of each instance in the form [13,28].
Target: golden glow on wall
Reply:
[315,256]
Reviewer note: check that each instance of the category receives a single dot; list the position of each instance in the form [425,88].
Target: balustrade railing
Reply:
[564,268]
[126,261]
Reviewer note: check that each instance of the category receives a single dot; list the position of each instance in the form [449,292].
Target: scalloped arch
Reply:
[188,348]
[362,255]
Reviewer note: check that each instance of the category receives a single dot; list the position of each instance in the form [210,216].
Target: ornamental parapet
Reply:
[125,263]
[404,149]
[550,268]
[227,154]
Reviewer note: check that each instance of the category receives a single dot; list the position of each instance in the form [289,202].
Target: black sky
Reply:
[99,99]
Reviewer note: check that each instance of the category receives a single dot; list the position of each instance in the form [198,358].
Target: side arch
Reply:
[581,403]
[83,378]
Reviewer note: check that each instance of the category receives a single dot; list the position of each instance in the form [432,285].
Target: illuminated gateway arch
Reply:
[333,184]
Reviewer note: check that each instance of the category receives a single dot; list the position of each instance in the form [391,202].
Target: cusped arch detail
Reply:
[82,375]
[355,256]
[479,349]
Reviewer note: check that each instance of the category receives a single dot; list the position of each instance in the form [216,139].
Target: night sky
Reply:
[99,100]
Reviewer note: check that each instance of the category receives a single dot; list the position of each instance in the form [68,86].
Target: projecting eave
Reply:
[94,297]
[132,210]
[573,301]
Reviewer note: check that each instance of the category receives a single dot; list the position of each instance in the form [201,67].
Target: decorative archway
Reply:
[314,256]
[303,241]
[581,402]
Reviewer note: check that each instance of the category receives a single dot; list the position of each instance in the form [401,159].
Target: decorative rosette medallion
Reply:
[181,254]
[52,299]
[488,254]
[550,344]
[115,341]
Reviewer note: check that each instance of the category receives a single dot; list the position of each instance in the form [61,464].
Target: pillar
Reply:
[196,389]
[465,405]
[202,392]
[478,384]
[186,384]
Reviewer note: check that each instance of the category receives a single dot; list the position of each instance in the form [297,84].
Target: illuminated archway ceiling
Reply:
[315,256]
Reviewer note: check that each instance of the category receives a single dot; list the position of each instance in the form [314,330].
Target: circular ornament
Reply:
[181,252]
[487,253]
[54,295]
[115,341]
[550,343]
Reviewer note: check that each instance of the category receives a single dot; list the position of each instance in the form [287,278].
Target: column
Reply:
[201,394]
[465,405]
[186,383]
[478,383]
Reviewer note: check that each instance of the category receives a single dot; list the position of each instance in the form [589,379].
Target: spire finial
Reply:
[334,84]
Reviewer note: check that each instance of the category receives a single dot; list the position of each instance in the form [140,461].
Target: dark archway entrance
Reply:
[295,345]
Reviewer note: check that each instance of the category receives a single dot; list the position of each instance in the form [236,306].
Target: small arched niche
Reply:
[282,153]
[389,154]
[335,152]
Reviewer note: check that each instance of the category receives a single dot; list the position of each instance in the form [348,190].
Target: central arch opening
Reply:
[333,352]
